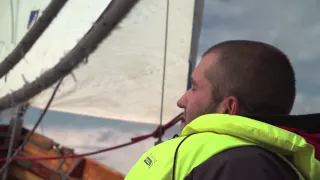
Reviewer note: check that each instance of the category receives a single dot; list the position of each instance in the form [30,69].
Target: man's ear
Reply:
[229,105]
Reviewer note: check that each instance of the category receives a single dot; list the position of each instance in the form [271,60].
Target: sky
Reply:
[291,25]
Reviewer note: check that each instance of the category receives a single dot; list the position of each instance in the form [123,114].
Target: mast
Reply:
[121,79]
[196,30]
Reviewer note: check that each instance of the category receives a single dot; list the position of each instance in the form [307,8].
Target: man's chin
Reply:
[183,124]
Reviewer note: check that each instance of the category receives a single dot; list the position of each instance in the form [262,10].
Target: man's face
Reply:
[198,100]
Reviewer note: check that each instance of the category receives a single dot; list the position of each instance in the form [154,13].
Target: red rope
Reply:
[155,134]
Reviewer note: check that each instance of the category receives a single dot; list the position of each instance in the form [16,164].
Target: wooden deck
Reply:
[40,146]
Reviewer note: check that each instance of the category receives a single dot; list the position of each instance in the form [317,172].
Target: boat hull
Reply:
[40,146]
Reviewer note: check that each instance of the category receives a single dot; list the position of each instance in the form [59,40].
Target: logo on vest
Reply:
[150,160]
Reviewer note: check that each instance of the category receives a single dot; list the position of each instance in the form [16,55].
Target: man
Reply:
[234,77]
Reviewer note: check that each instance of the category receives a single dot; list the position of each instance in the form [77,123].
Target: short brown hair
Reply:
[258,74]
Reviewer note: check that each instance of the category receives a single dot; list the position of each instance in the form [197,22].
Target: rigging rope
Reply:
[156,133]
[164,69]
[8,161]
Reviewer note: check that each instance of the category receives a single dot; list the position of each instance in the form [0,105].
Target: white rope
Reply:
[164,66]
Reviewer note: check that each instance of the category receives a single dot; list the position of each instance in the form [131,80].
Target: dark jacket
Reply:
[251,163]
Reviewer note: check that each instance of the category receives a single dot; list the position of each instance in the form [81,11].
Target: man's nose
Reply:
[182,102]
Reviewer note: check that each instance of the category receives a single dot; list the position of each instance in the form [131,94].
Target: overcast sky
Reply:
[291,25]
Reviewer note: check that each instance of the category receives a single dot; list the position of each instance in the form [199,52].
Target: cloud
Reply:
[292,26]
[307,76]
[92,139]
[305,104]
[87,134]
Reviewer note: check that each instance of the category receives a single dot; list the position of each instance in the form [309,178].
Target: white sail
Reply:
[123,77]
[16,18]
[6,25]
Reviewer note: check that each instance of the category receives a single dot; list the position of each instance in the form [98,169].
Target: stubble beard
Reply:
[210,109]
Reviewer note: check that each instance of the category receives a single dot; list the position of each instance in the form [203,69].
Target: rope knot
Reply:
[158,132]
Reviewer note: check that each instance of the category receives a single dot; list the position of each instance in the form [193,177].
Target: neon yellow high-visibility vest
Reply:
[214,133]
